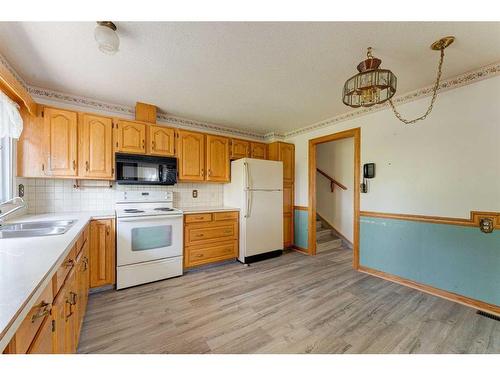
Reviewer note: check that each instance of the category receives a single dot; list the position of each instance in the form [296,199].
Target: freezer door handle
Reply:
[247,176]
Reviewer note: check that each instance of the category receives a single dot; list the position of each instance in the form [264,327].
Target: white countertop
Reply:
[193,210]
[28,264]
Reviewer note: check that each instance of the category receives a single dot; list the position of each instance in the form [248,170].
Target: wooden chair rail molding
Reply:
[473,221]
[333,182]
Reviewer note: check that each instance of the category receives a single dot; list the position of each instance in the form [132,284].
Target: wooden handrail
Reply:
[333,182]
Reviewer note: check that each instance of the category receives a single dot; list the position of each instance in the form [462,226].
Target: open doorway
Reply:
[334,167]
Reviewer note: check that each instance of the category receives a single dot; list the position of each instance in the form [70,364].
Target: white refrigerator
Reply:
[256,188]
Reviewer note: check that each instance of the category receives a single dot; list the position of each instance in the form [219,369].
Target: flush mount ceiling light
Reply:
[106,37]
[375,86]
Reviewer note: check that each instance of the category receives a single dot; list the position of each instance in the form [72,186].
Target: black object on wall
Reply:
[368,172]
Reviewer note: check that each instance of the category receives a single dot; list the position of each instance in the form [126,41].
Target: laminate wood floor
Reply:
[291,304]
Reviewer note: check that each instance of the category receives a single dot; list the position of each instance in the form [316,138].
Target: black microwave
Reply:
[145,170]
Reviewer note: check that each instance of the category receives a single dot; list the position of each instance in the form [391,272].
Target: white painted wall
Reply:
[446,165]
[336,158]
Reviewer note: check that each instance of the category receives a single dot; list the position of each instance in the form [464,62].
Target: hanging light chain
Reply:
[434,95]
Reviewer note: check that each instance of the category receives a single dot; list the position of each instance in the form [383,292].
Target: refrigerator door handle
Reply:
[247,208]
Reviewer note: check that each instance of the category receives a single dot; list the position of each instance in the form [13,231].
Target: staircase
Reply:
[326,238]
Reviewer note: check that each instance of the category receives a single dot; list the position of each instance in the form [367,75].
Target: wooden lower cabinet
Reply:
[43,342]
[53,324]
[210,237]
[102,253]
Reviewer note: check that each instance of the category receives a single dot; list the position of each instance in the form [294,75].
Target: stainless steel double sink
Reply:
[36,228]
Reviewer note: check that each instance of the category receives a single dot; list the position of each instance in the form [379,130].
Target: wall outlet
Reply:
[195,193]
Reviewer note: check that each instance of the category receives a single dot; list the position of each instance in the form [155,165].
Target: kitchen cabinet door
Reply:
[71,313]
[217,158]
[287,155]
[191,154]
[59,309]
[287,230]
[258,150]
[96,145]
[42,344]
[239,149]
[288,197]
[102,252]
[130,137]
[31,161]
[60,137]
[161,140]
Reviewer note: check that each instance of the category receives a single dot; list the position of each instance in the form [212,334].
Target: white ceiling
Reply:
[250,75]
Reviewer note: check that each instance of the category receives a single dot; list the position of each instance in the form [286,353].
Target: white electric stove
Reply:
[148,238]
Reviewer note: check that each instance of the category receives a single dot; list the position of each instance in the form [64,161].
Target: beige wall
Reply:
[336,158]
[447,165]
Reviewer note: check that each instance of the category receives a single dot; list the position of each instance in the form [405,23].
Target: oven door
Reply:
[146,238]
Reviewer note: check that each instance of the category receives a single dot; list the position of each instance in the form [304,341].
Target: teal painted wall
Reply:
[455,258]
[300,229]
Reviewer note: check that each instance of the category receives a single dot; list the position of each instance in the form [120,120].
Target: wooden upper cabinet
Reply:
[102,252]
[31,161]
[217,158]
[239,149]
[258,150]
[96,146]
[161,140]
[191,153]
[130,137]
[284,152]
[288,158]
[60,138]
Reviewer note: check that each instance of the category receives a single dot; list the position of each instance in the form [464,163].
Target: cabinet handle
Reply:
[87,166]
[143,143]
[154,145]
[44,310]
[209,172]
[85,263]
[199,256]
[43,167]
[74,164]
[202,172]
[69,263]
[107,231]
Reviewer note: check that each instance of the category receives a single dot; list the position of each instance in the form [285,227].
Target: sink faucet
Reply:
[15,200]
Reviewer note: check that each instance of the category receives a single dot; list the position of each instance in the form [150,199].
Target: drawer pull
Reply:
[228,231]
[199,235]
[199,217]
[44,310]
[199,256]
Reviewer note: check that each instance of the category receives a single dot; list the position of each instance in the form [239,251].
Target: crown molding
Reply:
[468,78]
[80,101]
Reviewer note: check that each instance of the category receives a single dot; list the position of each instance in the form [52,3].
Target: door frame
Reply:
[351,133]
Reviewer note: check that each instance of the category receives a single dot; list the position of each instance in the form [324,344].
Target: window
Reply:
[6,167]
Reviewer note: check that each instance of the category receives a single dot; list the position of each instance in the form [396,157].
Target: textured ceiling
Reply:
[255,76]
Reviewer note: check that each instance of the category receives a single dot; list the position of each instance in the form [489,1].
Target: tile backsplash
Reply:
[57,195]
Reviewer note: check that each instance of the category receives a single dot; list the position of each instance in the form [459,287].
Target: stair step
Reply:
[323,232]
[328,243]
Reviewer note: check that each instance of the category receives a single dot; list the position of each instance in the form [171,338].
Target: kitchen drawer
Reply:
[232,215]
[198,218]
[84,236]
[31,324]
[62,272]
[197,255]
[208,233]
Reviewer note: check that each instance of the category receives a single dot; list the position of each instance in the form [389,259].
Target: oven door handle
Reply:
[143,218]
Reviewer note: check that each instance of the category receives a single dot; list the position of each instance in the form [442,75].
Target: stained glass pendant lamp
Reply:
[373,85]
